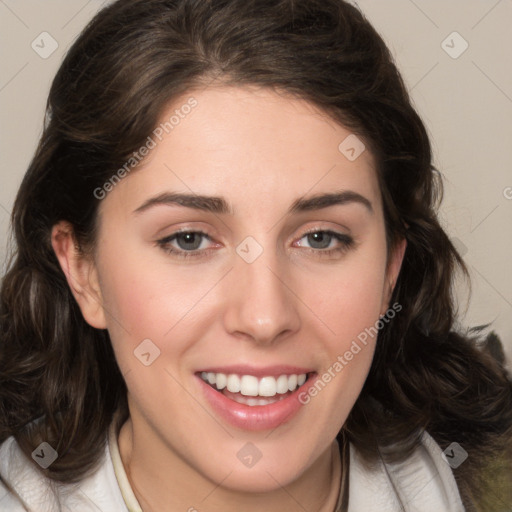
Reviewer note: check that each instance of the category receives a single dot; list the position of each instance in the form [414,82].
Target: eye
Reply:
[327,242]
[193,244]
[185,244]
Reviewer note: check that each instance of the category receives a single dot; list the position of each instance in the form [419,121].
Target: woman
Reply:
[231,290]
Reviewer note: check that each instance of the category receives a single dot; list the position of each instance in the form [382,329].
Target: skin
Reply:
[293,305]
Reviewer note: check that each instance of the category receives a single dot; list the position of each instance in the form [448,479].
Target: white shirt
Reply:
[424,482]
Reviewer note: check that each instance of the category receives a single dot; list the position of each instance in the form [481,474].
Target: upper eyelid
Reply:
[207,234]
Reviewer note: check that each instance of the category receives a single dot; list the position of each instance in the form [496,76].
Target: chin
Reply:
[261,480]
[276,467]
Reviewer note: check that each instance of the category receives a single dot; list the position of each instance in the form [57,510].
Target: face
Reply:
[250,251]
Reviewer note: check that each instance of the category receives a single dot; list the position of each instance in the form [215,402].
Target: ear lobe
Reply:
[81,274]
[393,270]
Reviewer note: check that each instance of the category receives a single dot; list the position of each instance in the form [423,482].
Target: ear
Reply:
[393,269]
[81,274]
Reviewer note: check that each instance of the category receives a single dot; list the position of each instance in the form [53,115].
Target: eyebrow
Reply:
[219,205]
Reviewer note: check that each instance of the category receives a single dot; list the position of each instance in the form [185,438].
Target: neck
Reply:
[162,480]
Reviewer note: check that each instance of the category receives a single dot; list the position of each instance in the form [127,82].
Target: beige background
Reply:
[466,103]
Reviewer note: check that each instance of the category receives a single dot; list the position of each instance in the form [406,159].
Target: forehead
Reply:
[256,146]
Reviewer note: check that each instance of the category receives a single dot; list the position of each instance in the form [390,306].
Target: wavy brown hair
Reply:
[131,60]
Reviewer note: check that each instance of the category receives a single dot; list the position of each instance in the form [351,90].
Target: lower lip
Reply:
[258,417]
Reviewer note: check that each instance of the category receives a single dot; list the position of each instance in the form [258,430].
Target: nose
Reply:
[261,305]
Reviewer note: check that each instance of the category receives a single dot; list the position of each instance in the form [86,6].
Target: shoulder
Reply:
[25,487]
[423,482]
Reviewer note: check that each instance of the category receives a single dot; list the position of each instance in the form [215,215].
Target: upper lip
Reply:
[266,371]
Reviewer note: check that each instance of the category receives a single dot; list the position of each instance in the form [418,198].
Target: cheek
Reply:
[348,301]
[349,298]
[144,301]
[351,312]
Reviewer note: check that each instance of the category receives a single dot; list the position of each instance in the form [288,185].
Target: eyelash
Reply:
[346,243]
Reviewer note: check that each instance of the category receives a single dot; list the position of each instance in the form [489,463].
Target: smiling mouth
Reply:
[254,391]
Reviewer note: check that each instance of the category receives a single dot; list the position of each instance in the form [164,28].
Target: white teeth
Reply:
[267,387]
[233,383]
[249,385]
[222,381]
[282,384]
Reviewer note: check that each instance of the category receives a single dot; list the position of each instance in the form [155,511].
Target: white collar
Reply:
[424,482]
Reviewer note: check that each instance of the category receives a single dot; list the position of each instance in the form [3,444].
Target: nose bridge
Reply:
[260,304]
